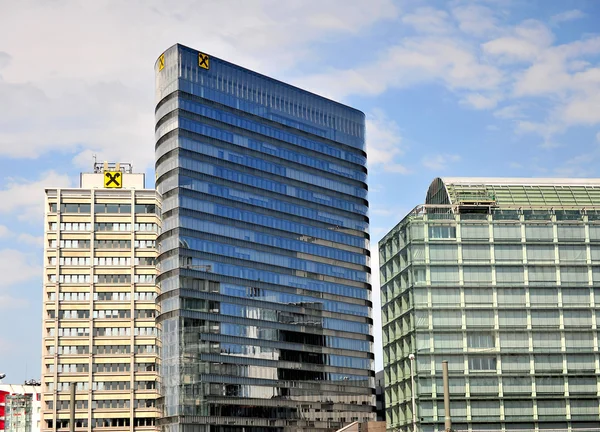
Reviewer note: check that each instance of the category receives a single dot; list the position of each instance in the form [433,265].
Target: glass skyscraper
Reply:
[264,263]
[501,278]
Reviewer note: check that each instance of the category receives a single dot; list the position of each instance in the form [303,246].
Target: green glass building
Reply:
[501,278]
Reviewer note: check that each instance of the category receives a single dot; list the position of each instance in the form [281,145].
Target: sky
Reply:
[450,88]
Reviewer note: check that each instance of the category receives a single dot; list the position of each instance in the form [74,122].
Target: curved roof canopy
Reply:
[514,191]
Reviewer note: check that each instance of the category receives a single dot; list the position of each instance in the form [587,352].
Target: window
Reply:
[448,341]
[473,252]
[544,296]
[514,340]
[474,231]
[442,231]
[515,362]
[571,253]
[146,208]
[477,275]
[507,231]
[480,340]
[112,208]
[511,296]
[112,279]
[508,252]
[509,275]
[444,275]
[545,318]
[548,362]
[481,363]
[447,318]
[546,340]
[574,275]
[570,232]
[540,253]
[443,252]
[75,226]
[539,232]
[480,318]
[576,296]
[75,208]
[538,274]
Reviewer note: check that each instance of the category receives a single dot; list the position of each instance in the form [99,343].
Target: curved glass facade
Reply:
[265,271]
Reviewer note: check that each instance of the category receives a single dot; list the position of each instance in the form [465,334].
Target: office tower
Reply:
[501,278]
[265,305]
[99,309]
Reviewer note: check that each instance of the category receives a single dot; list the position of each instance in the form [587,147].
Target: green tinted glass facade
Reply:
[509,294]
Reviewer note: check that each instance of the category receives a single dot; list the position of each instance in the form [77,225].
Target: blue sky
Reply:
[462,88]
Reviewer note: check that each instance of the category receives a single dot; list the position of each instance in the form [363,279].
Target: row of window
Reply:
[272,221]
[102,244]
[299,244]
[502,252]
[274,168]
[313,284]
[261,128]
[103,278]
[103,296]
[286,298]
[104,208]
[100,423]
[125,349]
[248,195]
[102,261]
[104,226]
[262,333]
[276,150]
[273,101]
[266,184]
[101,349]
[213,247]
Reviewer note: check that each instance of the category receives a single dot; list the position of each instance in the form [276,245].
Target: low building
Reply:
[20,407]
[500,278]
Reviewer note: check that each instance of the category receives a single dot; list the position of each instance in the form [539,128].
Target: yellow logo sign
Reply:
[161,62]
[203,61]
[113,179]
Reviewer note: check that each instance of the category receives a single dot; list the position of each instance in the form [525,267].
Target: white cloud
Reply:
[479,101]
[509,112]
[25,198]
[4,232]
[525,42]
[95,94]
[415,60]
[17,267]
[384,143]
[439,162]
[32,240]
[474,19]
[569,15]
[428,20]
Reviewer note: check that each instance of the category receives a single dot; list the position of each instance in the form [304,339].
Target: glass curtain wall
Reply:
[510,300]
[266,310]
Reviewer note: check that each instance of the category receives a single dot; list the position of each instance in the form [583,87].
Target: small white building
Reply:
[15,416]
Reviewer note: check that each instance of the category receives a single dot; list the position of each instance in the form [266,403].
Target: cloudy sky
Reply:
[469,88]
